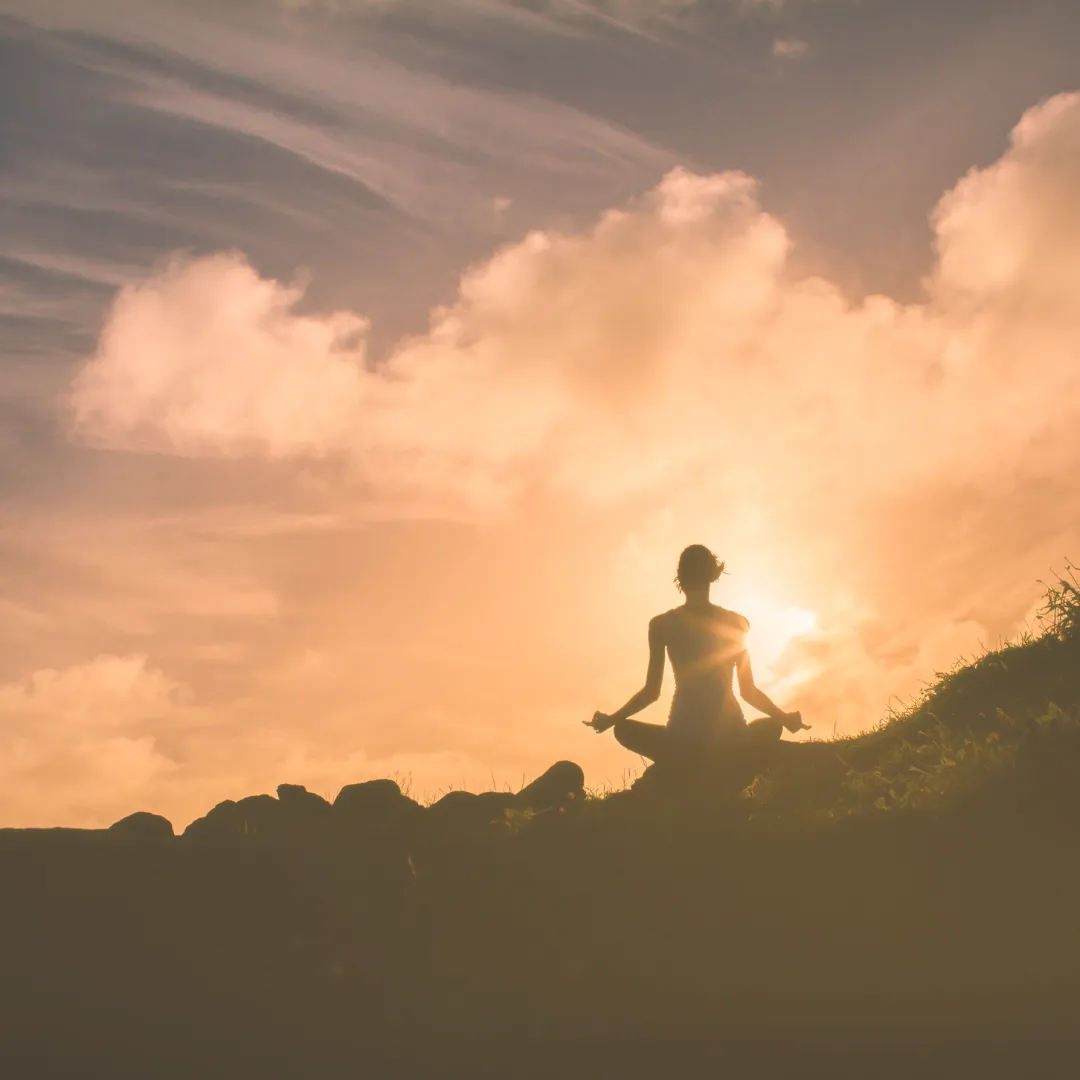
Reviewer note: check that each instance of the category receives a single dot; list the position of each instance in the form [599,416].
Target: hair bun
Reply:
[698,566]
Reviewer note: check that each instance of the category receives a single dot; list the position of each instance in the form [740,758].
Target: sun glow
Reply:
[773,627]
[774,624]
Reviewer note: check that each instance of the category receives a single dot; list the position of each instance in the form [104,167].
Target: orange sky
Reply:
[286,555]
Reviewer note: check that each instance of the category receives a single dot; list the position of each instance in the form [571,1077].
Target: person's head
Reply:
[698,569]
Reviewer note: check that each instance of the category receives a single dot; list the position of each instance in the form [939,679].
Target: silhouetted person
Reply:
[707,647]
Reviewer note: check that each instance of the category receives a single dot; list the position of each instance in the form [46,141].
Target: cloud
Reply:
[614,362]
[621,9]
[424,144]
[868,458]
[1007,235]
[789,48]
[78,745]
[84,745]
[552,16]
[209,357]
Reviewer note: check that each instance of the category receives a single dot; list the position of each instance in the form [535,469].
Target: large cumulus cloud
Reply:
[670,338]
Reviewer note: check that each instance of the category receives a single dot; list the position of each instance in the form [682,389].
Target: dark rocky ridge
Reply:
[300,815]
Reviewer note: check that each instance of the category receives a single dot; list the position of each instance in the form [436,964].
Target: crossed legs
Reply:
[652,741]
[656,742]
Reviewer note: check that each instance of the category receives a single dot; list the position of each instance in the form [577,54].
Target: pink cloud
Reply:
[612,362]
[77,745]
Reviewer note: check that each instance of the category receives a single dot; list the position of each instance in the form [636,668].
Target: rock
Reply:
[302,813]
[471,810]
[256,816]
[376,802]
[654,778]
[217,822]
[259,815]
[144,827]
[561,786]
[299,803]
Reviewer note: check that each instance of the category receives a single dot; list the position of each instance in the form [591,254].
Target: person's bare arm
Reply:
[654,679]
[749,692]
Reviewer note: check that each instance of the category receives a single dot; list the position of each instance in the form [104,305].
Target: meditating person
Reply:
[707,647]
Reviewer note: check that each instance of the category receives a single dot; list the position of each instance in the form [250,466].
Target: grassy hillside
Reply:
[906,900]
[988,732]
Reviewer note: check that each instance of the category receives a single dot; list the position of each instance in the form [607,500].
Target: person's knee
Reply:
[634,736]
[647,740]
[767,729]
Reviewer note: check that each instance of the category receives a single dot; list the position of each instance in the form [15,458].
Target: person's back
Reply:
[704,645]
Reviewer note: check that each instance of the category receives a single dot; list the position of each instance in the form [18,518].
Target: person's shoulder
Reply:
[735,620]
[662,619]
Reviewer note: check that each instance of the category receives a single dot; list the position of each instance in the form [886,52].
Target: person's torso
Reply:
[704,646]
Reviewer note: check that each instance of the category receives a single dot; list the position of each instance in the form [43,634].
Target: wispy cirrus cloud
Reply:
[790,48]
[196,128]
[363,116]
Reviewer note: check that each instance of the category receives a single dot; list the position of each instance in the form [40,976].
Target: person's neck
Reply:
[698,598]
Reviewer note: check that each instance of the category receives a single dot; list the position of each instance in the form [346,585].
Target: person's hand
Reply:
[793,722]
[600,722]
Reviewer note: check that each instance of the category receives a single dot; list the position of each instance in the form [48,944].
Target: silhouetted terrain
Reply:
[906,902]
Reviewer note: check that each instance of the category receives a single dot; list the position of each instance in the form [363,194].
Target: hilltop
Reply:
[912,891]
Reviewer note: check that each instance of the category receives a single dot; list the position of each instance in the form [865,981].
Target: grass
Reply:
[969,736]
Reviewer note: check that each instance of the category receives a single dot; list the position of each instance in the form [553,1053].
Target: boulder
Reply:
[295,795]
[470,810]
[561,786]
[376,802]
[216,823]
[143,827]
[257,816]
[299,804]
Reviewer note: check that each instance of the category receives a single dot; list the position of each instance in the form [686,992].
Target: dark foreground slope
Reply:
[902,903]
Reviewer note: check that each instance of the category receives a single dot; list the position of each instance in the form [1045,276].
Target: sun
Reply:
[773,626]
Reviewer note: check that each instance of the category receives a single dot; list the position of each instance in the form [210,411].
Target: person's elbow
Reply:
[650,693]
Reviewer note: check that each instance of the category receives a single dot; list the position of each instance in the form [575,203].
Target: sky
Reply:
[366,364]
